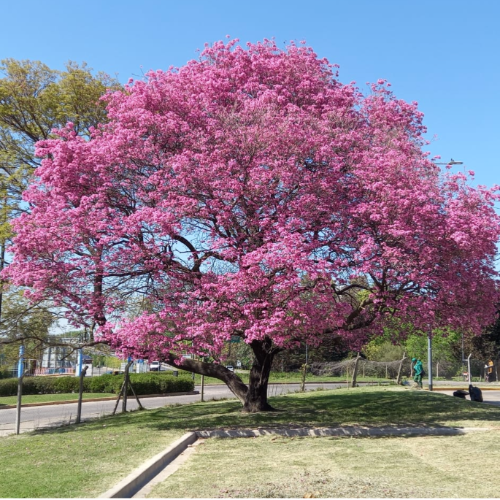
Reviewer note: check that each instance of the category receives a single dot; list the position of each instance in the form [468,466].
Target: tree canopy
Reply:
[250,193]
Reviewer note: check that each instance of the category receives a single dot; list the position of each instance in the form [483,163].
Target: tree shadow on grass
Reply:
[396,408]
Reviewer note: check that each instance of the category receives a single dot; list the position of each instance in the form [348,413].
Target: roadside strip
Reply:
[93,400]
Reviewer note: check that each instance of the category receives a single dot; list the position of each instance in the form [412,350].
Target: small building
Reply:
[60,359]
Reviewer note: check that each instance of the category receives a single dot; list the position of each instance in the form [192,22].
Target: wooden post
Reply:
[119,396]
[303,382]
[80,395]
[355,371]
[126,383]
[400,369]
[135,395]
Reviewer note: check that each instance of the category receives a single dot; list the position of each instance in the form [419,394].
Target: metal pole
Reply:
[468,368]
[463,359]
[20,374]
[429,342]
[2,265]
[79,362]
[202,387]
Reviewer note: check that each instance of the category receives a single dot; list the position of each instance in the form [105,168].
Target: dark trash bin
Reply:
[475,394]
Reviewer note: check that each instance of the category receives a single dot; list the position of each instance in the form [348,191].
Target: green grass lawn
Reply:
[79,461]
[284,467]
[85,460]
[360,406]
[44,398]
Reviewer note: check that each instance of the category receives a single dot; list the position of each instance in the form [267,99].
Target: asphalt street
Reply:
[490,397]
[37,417]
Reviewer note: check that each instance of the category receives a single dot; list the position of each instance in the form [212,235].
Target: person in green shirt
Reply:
[418,370]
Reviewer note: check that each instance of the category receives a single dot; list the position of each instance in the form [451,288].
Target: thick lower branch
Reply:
[235,384]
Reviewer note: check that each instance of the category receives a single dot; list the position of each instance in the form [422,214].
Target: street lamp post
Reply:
[429,367]
[20,375]
[429,335]
[451,162]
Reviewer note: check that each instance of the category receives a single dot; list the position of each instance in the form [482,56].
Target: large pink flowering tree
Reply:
[251,194]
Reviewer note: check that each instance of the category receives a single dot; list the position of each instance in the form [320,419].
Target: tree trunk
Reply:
[355,371]
[256,396]
[400,369]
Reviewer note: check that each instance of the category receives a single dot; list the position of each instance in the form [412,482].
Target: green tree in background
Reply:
[484,347]
[35,99]
[404,338]
[22,320]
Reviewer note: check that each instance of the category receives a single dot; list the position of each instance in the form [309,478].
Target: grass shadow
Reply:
[336,408]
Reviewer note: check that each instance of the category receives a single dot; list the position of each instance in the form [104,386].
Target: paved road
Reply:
[491,397]
[453,383]
[46,416]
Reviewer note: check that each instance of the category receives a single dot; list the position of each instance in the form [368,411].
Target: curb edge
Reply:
[132,483]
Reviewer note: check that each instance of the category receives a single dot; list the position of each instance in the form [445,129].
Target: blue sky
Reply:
[444,54]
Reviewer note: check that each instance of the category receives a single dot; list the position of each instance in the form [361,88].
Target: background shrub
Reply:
[159,383]
[8,387]
[105,383]
[143,383]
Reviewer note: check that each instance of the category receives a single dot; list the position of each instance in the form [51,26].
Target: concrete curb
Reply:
[341,431]
[131,484]
[93,400]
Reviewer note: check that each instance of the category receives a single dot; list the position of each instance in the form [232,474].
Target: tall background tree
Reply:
[251,194]
[26,322]
[35,100]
